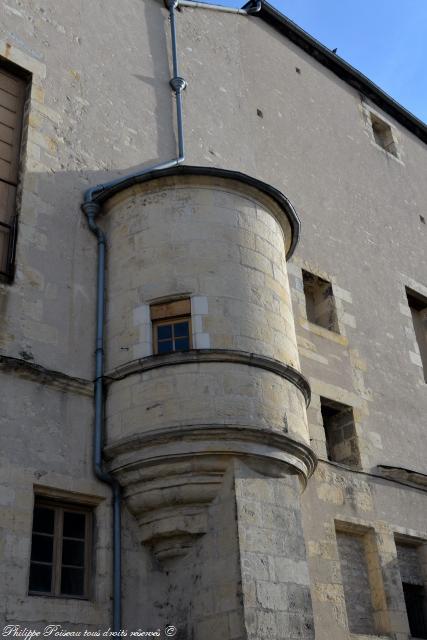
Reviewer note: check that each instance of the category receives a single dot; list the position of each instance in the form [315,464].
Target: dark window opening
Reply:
[383,134]
[340,432]
[418,306]
[171,326]
[415,601]
[320,302]
[60,550]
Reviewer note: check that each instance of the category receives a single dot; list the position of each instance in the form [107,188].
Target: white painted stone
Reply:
[343,294]
[199,305]
[349,320]
[141,315]
[202,341]
[415,358]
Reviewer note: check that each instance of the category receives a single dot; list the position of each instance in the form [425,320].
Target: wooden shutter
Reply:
[12,92]
[170,309]
[12,95]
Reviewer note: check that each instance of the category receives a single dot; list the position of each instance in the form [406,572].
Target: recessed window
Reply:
[383,134]
[12,99]
[352,553]
[418,306]
[340,432]
[413,588]
[320,302]
[171,326]
[60,550]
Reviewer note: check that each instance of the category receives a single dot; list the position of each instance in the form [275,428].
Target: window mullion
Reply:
[57,551]
[87,554]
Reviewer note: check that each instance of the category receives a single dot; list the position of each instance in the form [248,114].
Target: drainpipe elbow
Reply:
[91,209]
[108,479]
[255,8]
[89,194]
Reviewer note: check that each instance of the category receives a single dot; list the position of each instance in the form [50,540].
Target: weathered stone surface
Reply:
[100,105]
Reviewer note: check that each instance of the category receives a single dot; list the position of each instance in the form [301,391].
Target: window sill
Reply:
[364,636]
[323,333]
[49,596]
[397,159]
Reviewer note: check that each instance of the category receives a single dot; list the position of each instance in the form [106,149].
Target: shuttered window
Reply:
[12,95]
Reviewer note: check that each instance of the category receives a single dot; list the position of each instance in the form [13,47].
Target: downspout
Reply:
[91,210]
[178,85]
[91,207]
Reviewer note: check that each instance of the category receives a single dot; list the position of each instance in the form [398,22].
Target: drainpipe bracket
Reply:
[178,84]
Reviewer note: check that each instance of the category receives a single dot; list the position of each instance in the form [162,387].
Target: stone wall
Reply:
[100,105]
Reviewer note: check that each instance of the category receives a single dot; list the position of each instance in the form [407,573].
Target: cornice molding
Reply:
[212,355]
[171,444]
[42,375]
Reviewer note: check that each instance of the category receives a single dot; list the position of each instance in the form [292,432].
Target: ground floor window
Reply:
[60,549]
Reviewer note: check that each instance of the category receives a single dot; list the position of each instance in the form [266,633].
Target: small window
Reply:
[60,550]
[418,306]
[12,98]
[410,567]
[171,326]
[340,432]
[383,134]
[320,302]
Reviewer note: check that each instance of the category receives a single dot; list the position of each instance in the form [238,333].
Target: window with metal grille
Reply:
[415,602]
[12,98]
[60,550]
[171,326]
[412,574]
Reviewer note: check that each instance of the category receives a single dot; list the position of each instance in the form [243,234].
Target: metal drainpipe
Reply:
[92,208]
[178,84]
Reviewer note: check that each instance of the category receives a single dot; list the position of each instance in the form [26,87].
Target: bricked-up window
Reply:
[12,98]
[383,134]
[408,556]
[352,552]
[320,302]
[60,550]
[171,326]
[418,306]
[340,432]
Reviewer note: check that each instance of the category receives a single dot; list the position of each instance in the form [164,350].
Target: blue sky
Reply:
[384,39]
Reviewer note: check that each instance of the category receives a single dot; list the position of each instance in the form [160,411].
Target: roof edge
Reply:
[338,66]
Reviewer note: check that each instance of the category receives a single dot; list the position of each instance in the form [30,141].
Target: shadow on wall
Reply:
[48,312]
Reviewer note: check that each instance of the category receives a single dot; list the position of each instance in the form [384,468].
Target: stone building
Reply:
[242,381]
